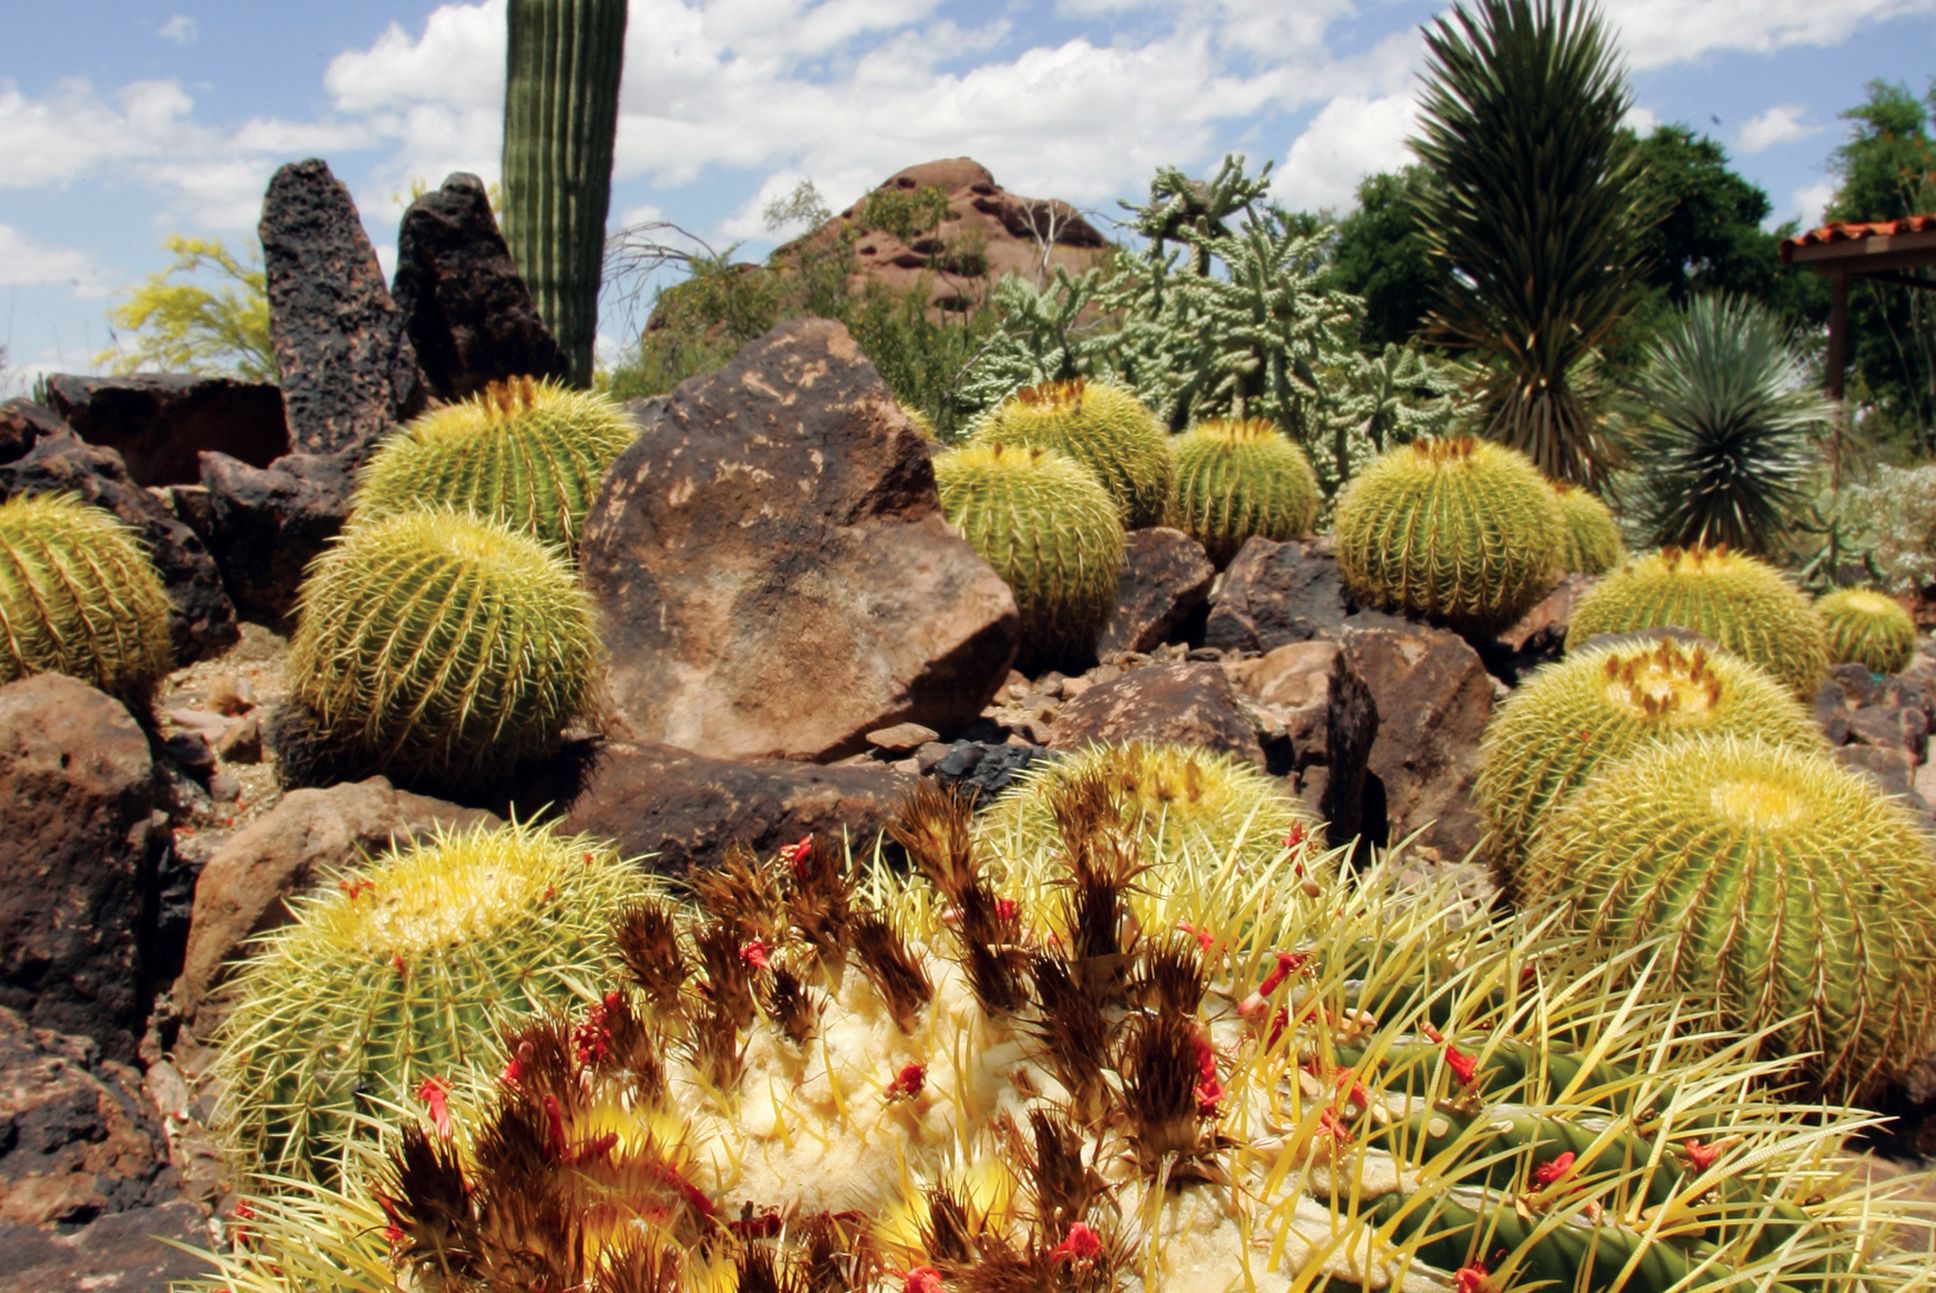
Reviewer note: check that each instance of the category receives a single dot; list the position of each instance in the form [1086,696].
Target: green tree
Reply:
[1887,168]
[1382,255]
[1536,209]
[175,321]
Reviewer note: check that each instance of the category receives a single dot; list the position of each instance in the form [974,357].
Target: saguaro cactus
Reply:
[560,118]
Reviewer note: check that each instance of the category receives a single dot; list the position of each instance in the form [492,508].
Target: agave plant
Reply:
[1727,450]
[1536,208]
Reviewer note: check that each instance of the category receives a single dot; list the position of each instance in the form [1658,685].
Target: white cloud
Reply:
[1641,119]
[1807,203]
[72,131]
[1781,124]
[180,29]
[1654,33]
[1350,138]
[24,262]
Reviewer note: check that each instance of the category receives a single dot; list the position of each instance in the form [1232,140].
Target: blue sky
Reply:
[122,121]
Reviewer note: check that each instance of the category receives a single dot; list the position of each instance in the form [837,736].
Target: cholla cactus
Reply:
[1120,1078]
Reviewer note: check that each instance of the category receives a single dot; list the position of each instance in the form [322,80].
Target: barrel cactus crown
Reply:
[1103,427]
[1792,887]
[78,596]
[1868,628]
[399,972]
[1462,532]
[1169,1079]
[526,454]
[1593,542]
[1050,531]
[1744,604]
[1230,480]
[1603,703]
[442,649]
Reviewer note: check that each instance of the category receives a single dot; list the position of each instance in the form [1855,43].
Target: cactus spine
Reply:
[1230,480]
[1103,427]
[442,649]
[1741,603]
[1593,542]
[402,971]
[1789,886]
[1052,534]
[526,454]
[1868,628]
[1106,1078]
[562,68]
[1601,704]
[1462,532]
[78,596]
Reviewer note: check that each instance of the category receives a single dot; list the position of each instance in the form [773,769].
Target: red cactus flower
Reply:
[908,1082]
[1333,1126]
[798,854]
[1082,1245]
[356,888]
[1005,910]
[1464,1067]
[1552,1170]
[922,1279]
[403,971]
[435,1092]
[753,952]
[1700,1156]
[1471,1278]
[1197,932]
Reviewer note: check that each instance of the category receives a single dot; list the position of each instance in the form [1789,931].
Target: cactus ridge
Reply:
[1049,530]
[1601,704]
[402,969]
[1232,479]
[526,454]
[1741,603]
[79,596]
[1868,628]
[1593,542]
[1105,428]
[1787,885]
[1458,531]
[442,648]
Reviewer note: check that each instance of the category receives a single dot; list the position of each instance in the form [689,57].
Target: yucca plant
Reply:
[820,1077]
[1727,447]
[1536,209]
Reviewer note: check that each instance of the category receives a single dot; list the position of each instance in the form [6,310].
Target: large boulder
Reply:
[1166,577]
[23,423]
[121,1252]
[773,570]
[160,422]
[680,810]
[201,618]
[79,849]
[267,523]
[1433,699]
[470,316]
[1187,703]
[349,372]
[243,887]
[1276,592]
[1315,700]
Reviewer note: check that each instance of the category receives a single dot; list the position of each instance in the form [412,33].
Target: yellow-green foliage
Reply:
[1231,479]
[1741,603]
[1103,427]
[1189,1078]
[186,327]
[1593,542]
[526,454]
[405,969]
[441,648]
[1049,530]
[1181,800]
[920,421]
[78,596]
[1868,628]
[1463,532]
[1599,705]
[1790,886]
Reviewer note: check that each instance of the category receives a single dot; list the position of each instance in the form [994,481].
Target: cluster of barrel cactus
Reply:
[1175,1072]
[1106,428]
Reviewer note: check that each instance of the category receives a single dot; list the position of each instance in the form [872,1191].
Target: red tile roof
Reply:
[1855,231]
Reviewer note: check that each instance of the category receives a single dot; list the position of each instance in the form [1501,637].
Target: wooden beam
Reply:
[1894,251]
[1838,335]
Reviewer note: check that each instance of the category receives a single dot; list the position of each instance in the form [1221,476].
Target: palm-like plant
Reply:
[1536,209]
[1728,447]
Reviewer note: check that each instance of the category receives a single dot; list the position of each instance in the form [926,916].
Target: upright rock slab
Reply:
[348,369]
[773,570]
[470,315]
[267,523]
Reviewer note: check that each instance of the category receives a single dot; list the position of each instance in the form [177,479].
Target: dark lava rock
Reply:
[121,1252]
[984,770]
[1892,768]
[160,422]
[1165,581]
[470,316]
[1274,593]
[201,618]
[348,370]
[79,845]
[22,424]
[773,570]
[681,810]
[269,523]
[1190,704]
